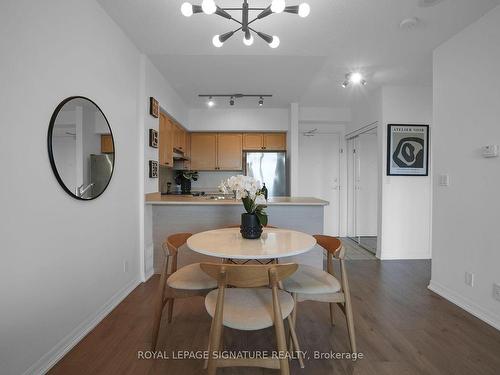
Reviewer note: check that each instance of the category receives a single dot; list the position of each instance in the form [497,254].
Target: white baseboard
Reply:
[47,361]
[149,274]
[466,304]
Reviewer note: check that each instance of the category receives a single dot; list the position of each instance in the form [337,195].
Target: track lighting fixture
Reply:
[353,78]
[233,97]
[276,6]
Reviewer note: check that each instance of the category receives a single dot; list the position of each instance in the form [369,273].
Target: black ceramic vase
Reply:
[185,186]
[250,226]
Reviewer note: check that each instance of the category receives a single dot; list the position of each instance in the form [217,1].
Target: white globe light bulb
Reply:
[275,43]
[304,10]
[355,78]
[216,41]
[187,9]
[208,6]
[248,42]
[278,6]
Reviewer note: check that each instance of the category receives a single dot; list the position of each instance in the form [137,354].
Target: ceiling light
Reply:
[232,97]
[304,10]
[210,102]
[278,6]
[246,23]
[355,78]
[409,23]
[216,41]
[275,42]
[428,3]
[231,101]
[208,6]
[248,39]
[261,101]
[187,9]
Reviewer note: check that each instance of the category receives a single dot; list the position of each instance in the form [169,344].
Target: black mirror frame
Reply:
[50,150]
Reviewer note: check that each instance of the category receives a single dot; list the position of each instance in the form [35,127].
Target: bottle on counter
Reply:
[264,190]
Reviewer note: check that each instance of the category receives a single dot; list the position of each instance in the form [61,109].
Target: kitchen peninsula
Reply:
[186,213]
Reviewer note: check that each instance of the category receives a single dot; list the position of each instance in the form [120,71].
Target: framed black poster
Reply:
[407,150]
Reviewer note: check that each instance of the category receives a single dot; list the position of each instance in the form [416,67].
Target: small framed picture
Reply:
[154,107]
[407,150]
[153,138]
[153,169]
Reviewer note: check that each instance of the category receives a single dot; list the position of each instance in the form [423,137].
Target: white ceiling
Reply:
[315,52]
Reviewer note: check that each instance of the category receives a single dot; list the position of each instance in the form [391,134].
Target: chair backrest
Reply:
[249,276]
[331,244]
[174,241]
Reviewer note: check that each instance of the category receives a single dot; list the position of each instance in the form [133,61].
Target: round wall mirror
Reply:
[81,148]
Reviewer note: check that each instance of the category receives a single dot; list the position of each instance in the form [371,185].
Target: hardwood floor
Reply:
[401,328]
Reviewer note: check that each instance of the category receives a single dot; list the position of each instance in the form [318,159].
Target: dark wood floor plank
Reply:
[401,327]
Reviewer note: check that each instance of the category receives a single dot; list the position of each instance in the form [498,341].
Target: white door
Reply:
[319,175]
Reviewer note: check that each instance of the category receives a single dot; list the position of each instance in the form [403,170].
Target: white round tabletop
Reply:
[273,243]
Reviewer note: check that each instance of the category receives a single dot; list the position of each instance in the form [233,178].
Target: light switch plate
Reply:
[469,279]
[444,180]
[496,291]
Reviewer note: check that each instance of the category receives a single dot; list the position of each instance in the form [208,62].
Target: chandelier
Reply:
[277,6]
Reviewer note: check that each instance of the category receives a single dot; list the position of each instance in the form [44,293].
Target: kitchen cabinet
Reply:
[229,151]
[107,144]
[216,151]
[275,141]
[179,135]
[253,141]
[264,141]
[204,151]
[166,139]
[187,151]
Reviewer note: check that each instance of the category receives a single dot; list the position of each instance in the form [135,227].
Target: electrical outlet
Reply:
[496,291]
[469,279]
[125,266]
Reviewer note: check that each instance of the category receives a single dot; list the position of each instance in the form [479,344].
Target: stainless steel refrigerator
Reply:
[268,168]
[101,168]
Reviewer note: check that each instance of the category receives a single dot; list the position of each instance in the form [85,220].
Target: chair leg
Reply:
[214,343]
[332,318]
[350,324]
[170,310]
[295,341]
[156,323]
[209,349]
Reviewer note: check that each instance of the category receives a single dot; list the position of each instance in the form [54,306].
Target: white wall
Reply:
[466,214]
[62,260]
[152,84]
[406,201]
[404,212]
[238,119]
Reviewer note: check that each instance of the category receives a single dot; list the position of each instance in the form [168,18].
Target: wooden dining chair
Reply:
[314,284]
[187,281]
[249,305]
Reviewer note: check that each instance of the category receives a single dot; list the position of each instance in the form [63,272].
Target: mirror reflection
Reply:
[81,148]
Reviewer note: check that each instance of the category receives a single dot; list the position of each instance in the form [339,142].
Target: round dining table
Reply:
[274,243]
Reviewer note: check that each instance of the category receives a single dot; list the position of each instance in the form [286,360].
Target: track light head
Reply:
[261,101]
[210,102]
[231,101]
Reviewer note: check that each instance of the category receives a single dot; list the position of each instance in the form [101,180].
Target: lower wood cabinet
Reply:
[107,144]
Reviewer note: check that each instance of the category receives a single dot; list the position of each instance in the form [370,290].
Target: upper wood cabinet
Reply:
[165,144]
[216,151]
[107,144]
[275,141]
[264,141]
[203,151]
[179,138]
[229,151]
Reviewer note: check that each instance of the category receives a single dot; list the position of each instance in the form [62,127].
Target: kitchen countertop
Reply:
[158,199]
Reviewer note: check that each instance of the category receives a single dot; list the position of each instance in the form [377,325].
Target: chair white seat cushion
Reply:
[249,309]
[191,277]
[311,280]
